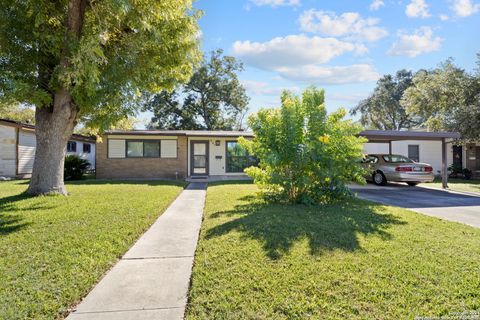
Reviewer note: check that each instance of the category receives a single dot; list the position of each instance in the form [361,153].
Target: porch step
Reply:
[198,177]
[217,178]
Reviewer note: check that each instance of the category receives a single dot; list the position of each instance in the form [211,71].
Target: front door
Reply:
[457,156]
[199,158]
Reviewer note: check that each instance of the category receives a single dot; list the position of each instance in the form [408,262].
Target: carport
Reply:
[387,136]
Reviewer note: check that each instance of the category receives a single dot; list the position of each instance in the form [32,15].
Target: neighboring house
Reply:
[171,154]
[18,143]
[428,151]
[421,151]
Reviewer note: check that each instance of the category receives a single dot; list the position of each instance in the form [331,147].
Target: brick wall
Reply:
[130,168]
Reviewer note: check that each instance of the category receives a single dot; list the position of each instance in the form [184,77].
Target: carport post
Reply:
[444,165]
[390,147]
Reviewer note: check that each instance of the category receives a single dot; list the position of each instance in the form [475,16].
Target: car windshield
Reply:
[397,159]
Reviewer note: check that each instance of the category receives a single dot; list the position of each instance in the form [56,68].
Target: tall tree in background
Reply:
[213,99]
[382,109]
[447,98]
[88,60]
[17,112]
[123,124]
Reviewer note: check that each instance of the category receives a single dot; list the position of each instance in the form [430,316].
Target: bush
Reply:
[458,171]
[467,173]
[455,170]
[75,167]
[305,155]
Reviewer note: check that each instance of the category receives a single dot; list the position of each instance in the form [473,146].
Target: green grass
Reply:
[458,185]
[355,260]
[53,249]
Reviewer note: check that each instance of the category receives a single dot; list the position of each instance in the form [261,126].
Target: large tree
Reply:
[382,109]
[89,60]
[447,97]
[213,99]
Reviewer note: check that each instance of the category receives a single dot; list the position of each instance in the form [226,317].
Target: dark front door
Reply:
[457,156]
[199,158]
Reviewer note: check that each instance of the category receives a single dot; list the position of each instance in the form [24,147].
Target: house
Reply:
[179,154]
[17,148]
[171,154]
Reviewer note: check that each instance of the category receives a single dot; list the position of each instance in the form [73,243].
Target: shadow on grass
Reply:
[10,223]
[327,228]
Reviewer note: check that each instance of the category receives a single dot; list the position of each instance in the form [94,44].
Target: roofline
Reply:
[391,135]
[19,124]
[371,135]
[188,133]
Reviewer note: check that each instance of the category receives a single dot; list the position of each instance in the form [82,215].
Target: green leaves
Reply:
[305,155]
[446,97]
[124,47]
[383,109]
[18,113]
[214,98]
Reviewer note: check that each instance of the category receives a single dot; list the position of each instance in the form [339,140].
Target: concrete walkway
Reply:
[151,280]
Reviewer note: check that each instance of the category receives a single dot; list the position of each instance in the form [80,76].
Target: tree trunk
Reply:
[54,127]
[55,123]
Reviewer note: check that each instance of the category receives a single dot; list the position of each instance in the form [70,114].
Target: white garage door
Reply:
[26,151]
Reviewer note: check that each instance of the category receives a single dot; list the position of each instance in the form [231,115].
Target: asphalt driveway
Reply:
[448,205]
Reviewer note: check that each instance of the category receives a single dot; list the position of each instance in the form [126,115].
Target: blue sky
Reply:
[340,45]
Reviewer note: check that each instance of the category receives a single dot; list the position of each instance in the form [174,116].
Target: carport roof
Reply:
[391,135]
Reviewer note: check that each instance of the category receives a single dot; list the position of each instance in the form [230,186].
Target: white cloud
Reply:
[417,9]
[348,24]
[376,4]
[465,8]
[275,3]
[293,50]
[264,88]
[330,74]
[444,17]
[412,45]
[300,58]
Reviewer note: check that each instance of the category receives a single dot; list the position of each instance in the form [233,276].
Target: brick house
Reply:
[171,154]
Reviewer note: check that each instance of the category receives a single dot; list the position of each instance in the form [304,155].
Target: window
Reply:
[87,148]
[237,158]
[151,148]
[396,159]
[414,152]
[134,148]
[71,146]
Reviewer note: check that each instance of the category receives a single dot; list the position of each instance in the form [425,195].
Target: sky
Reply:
[343,46]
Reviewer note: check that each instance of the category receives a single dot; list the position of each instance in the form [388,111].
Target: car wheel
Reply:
[379,179]
[412,184]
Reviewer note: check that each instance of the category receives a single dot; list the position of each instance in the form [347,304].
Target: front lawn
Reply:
[355,260]
[53,249]
[457,185]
